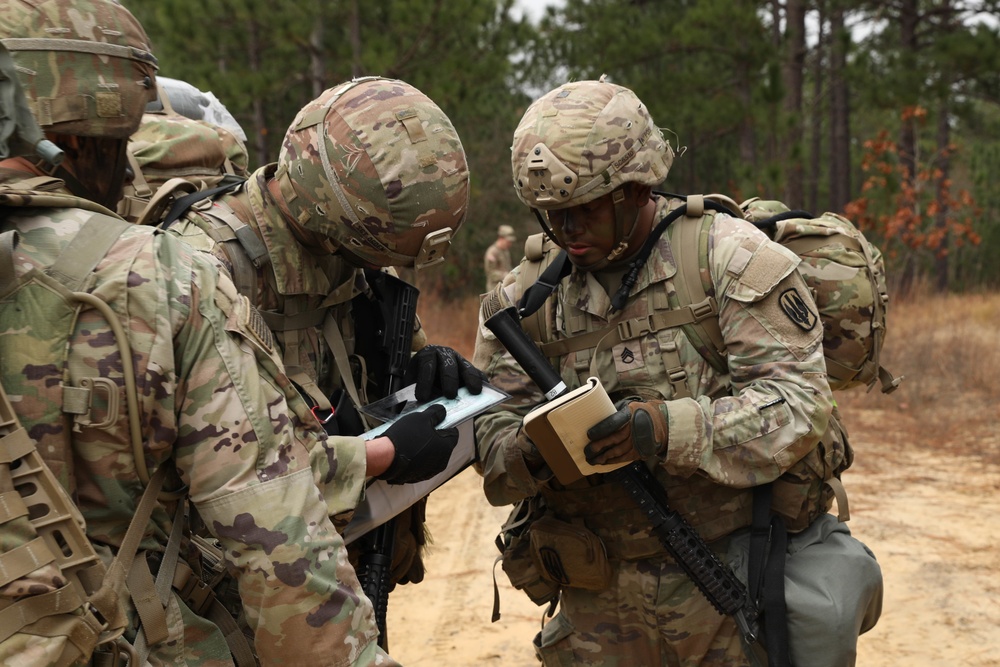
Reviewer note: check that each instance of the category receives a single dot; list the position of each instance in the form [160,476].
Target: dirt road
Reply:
[930,514]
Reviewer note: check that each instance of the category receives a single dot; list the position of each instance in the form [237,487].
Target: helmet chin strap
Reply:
[621,220]
[624,238]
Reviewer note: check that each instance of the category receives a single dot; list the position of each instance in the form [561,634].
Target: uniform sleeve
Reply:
[245,452]
[506,477]
[781,401]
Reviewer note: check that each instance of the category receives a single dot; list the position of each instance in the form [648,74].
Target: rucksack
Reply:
[844,271]
[84,613]
[171,156]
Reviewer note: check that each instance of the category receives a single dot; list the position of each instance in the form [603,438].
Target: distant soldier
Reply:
[497,261]
[132,365]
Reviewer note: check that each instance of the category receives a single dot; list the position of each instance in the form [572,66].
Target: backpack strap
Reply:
[246,252]
[542,272]
[693,285]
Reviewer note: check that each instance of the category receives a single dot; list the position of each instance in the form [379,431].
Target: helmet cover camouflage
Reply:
[376,166]
[583,140]
[85,66]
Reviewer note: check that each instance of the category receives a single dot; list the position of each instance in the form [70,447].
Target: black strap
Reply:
[766,575]
[187,201]
[787,215]
[535,296]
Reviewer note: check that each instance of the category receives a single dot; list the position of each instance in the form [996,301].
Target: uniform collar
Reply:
[296,270]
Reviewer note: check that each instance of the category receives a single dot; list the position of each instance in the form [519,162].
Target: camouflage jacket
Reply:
[497,263]
[297,287]
[215,404]
[722,441]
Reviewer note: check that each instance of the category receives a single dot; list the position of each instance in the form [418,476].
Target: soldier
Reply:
[585,157]
[497,261]
[133,364]
[370,175]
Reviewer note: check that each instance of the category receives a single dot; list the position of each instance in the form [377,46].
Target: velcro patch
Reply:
[109,104]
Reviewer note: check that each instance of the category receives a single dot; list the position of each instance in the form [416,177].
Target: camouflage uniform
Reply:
[213,405]
[415,189]
[242,460]
[733,433]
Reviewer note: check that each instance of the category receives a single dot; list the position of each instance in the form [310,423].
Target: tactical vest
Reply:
[56,399]
[800,495]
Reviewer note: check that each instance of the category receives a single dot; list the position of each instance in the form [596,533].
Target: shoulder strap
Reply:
[542,272]
[689,239]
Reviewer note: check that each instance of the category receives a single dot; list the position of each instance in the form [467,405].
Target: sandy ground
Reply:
[930,513]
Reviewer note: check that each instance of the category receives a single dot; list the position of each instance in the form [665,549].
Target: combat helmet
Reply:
[377,168]
[583,140]
[85,66]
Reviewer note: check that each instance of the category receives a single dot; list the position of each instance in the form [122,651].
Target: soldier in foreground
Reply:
[497,260]
[371,175]
[133,364]
[585,157]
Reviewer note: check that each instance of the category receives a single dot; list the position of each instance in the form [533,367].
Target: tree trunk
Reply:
[355,39]
[840,112]
[908,19]
[943,168]
[816,112]
[795,52]
[259,119]
[317,61]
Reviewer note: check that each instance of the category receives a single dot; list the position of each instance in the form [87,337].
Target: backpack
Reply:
[44,532]
[843,270]
[172,155]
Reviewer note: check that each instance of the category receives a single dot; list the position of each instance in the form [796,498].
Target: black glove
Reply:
[422,451]
[638,430]
[440,370]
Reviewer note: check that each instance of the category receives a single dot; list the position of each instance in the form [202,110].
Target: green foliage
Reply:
[711,72]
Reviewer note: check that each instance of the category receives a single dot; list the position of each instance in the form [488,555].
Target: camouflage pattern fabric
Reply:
[171,145]
[66,78]
[721,442]
[590,158]
[215,403]
[497,263]
[376,166]
[295,281]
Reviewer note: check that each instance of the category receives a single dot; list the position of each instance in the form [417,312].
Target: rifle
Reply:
[395,311]
[712,577]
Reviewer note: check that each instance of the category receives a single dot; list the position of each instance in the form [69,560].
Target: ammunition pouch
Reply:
[517,559]
[806,491]
[568,554]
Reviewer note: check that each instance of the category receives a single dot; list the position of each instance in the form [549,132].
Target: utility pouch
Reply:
[516,557]
[569,554]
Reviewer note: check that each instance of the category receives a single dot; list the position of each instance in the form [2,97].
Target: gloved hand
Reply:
[422,451]
[440,370]
[637,431]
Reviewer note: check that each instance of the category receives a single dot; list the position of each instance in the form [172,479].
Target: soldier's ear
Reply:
[641,193]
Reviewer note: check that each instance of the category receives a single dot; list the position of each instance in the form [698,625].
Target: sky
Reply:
[535,8]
